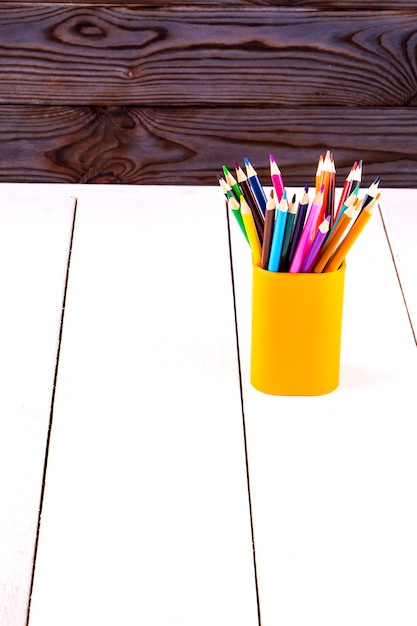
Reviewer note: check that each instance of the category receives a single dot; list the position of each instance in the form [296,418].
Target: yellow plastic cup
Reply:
[296,331]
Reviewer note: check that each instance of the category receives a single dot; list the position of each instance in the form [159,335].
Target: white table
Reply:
[146,516]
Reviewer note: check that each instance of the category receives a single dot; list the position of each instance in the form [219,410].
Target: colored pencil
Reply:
[234,207]
[325,183]
[278,235]
[330,208]
[298,226]
[356,177]
[276,178]
[314,249]
[347,243]
[248,194]
[346,189]
[252,233]
[268,230]
[338,232]
[295,237]
[255,183]
[289,227]
[226,188]
[308,231]
[371,192]
[349,201]
[229,194]
[232,182]
[319,171]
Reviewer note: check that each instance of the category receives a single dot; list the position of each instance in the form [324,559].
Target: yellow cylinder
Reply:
[296,331]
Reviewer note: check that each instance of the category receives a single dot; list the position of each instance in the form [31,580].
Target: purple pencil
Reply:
[309,228]
[314,250]
[298,227]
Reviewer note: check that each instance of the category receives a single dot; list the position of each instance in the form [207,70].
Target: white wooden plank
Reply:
[399,210]
[34,245]
[146,515]
[333,478]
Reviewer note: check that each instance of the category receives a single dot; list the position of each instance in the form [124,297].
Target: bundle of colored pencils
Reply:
[289,236]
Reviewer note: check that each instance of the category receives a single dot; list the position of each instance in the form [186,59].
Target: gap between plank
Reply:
[51,412]
[243,418]
[398,274]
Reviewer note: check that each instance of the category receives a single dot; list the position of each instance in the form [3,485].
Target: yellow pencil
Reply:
[357,227]
[251,231]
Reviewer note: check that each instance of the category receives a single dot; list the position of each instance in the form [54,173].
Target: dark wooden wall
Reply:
[142,93]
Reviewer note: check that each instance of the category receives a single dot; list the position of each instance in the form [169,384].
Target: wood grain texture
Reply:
[187,146]
[118,55]
[321,4]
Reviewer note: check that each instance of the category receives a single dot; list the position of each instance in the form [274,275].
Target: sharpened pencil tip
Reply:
[246,161]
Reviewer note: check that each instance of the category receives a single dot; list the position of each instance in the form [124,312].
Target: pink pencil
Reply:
[316,244]
[276,178]
[310,225]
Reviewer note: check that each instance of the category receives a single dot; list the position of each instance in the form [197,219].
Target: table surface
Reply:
[143,479]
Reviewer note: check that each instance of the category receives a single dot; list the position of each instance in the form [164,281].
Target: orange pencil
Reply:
[334,239]
[359,224]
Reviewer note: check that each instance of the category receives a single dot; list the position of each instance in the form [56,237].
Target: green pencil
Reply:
[289,225]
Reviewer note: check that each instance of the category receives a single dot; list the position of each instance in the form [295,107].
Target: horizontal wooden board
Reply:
[73,54]
[322,4]
[188,146]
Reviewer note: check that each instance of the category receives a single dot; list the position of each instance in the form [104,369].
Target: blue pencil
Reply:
[256,186]
[278,236]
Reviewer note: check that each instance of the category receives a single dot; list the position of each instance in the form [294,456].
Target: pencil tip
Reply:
[225,170]
[246,161]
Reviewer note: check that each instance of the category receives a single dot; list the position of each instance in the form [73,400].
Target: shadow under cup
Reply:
[296,331]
